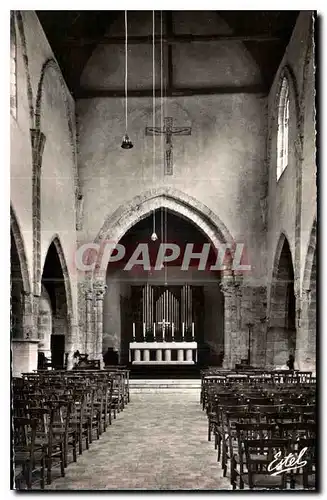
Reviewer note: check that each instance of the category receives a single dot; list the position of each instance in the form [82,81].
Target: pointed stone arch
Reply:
[17,235]
[48,65]
[309,261]
[306,340]
[55,240]
[184,205]
[66,318]
[281,333]
[29,90]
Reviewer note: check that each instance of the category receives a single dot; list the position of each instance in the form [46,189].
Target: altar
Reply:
[163,328]
[163,353]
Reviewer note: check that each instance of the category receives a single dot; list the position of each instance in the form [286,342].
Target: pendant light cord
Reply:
[126,56]
[153,107]
[153,93]
[161,93]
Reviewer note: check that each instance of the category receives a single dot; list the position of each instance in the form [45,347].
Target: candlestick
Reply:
[192,331]
[183,331]
[134,332]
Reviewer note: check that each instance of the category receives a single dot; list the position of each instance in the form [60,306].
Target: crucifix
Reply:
[168,131]
[164,323]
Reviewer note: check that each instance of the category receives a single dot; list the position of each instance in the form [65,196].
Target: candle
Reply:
[183,332]
[172,331]
[192,331]
[134,331]
[154,331]
[144,331]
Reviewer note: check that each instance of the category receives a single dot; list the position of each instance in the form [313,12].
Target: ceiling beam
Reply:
[170,39]
[83,93]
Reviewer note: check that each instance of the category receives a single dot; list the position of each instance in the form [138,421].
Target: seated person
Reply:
[41,361]
[110,357]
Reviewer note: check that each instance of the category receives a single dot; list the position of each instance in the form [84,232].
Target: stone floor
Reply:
[159,442]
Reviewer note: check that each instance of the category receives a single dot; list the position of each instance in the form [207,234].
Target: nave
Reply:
[159,442]
[101,434]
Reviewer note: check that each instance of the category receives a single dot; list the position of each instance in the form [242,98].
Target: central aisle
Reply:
[159,442]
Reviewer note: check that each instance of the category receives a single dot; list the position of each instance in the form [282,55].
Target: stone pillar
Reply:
[24,356]
[38,143]
[100,290]
[29,323]
[88,322]
[71,344]
[305,355]
[232,334]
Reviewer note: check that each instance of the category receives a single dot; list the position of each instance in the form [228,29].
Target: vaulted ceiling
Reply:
[75,35]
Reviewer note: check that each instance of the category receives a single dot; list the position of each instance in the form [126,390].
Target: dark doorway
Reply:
[57,351]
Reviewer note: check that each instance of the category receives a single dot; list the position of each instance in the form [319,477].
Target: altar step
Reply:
[166,371]
[164,385]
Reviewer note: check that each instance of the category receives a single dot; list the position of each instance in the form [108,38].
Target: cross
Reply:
[164,323]
[168,130]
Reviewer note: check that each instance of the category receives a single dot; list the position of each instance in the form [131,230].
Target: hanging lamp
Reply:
[154,236]
[127,143]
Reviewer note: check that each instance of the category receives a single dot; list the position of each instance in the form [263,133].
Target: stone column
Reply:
[305,350]
[232,334]
[71,343]
[88,349]
[38,143]
[100,290]
[25,350]
[29,319]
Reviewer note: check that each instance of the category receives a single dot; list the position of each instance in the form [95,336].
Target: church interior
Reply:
[163,236]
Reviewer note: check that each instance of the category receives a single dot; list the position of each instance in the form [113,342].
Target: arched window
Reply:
[283,121]
[13,66]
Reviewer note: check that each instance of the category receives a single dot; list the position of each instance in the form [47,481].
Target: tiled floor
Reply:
[159,442]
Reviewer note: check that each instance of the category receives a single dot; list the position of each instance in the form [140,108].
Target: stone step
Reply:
[164,385]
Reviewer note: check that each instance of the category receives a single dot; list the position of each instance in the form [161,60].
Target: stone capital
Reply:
[89,294]
[99,289]
[231,284]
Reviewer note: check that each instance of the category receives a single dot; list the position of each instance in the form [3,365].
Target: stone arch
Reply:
[281,334]
[128,214]
[14,226]
[309,261]
[279,247]
[62,302]
[29,90]
[47,65]
[25,309]
[306,340]
[56,241]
